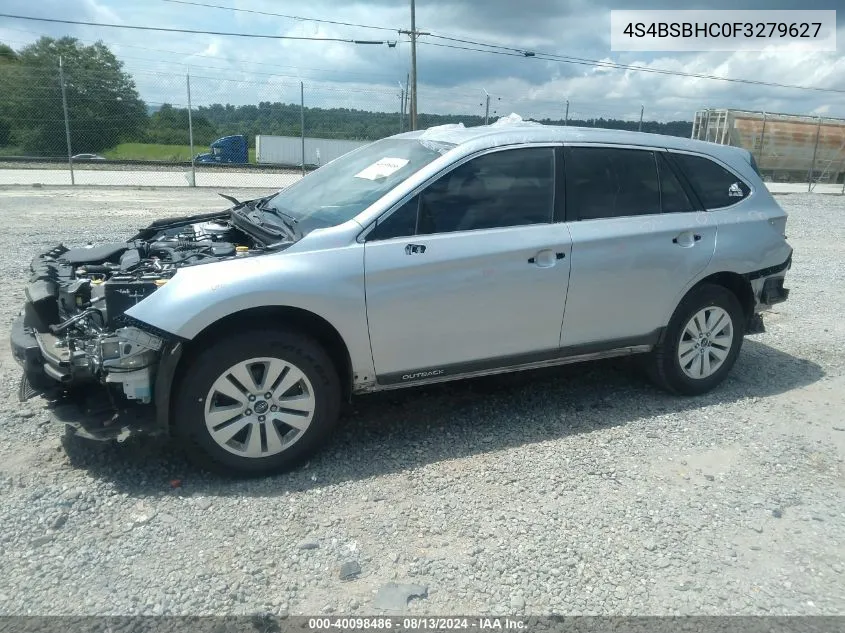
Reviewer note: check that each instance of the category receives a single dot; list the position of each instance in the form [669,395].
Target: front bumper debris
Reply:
[103,422]
[89,409]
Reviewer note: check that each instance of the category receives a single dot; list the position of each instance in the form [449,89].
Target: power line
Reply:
[192,54]
[524,52]
[280,15]
[490,48]
[582,61]
[180,77]
[197,32]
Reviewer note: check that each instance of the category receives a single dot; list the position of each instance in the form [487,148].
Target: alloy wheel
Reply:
[259,407]
[705,342]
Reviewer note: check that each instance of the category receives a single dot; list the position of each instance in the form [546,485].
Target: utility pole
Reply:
[640,128]
[487,108]
[413,66]
[566,116]
[67,122]
[191,132]
[407,109]
[302,122]
[812,171]
[401,108]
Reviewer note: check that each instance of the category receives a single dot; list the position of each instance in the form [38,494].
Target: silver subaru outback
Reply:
[424,257]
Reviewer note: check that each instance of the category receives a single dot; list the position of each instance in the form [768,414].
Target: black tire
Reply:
[206,367]
[663,365]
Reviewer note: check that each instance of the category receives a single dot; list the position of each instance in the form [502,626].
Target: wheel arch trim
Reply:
[175,357]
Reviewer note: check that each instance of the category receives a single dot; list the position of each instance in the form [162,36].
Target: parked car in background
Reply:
[88,157]
[427,256]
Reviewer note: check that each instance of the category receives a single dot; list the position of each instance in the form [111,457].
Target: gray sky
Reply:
[337,74]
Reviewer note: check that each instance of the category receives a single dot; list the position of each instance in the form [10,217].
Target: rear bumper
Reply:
[773,291]
[767,285]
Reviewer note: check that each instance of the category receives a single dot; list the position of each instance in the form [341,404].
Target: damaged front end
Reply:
[95,365]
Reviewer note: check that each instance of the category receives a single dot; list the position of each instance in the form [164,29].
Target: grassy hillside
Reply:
[157,151]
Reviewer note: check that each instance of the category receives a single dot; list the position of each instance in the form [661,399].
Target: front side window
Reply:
[401,223]
[607,182]
[715,186]
[506,188]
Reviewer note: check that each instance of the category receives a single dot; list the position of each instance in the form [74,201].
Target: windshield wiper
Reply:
[267,229]
[289,221]
[231,199]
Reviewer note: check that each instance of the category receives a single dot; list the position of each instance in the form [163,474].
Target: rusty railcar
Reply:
[787,147]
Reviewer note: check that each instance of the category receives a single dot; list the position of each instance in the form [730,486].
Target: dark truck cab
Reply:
[229,149]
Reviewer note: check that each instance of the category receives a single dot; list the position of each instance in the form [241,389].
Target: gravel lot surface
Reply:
[574,490]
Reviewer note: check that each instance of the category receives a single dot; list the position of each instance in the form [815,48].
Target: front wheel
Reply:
[700,344]
[257,403]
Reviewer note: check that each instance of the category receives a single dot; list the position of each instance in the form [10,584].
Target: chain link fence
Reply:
[65,124]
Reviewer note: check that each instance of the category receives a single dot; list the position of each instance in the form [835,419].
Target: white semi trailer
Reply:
[287,150]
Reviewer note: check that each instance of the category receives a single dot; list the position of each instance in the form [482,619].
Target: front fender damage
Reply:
[100,369]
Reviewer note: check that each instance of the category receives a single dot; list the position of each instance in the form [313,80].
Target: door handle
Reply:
[413,249]
[545,258]
[685,239]
[533,260]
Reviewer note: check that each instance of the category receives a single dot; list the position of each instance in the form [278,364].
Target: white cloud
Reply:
[344,75]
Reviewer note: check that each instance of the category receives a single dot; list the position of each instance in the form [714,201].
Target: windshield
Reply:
[340,190]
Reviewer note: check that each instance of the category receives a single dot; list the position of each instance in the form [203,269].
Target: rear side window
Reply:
[606,182]
[673,198]
[715,186]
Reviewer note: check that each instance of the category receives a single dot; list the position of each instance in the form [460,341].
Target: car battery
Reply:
[123,292]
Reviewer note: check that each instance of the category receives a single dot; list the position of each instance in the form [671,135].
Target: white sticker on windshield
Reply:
[382,168]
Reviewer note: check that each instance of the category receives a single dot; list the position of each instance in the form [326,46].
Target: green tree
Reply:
[8,56]
[104,107]
[169,125]
[345,123]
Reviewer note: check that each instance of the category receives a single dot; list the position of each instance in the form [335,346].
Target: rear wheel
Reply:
[258,403]
[700,344]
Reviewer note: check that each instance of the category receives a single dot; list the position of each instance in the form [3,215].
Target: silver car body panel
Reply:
[474,296]
[458,301]
[323,274]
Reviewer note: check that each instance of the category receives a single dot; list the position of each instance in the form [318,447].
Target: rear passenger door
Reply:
[638,239]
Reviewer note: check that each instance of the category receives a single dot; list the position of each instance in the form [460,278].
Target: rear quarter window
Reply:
[714,185]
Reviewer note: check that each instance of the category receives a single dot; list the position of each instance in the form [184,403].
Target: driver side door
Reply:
[471,272]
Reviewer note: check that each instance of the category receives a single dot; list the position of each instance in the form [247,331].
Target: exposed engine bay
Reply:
[73,330]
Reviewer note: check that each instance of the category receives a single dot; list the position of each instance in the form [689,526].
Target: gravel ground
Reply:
[575,490]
